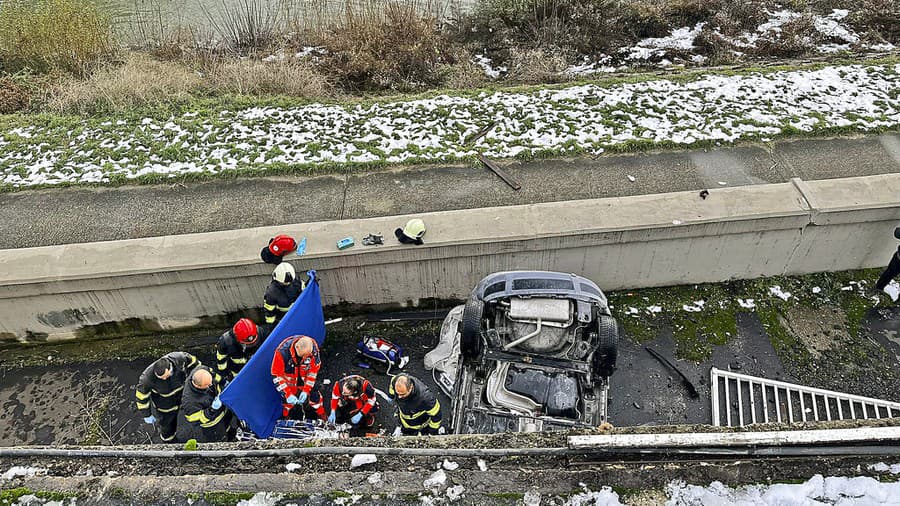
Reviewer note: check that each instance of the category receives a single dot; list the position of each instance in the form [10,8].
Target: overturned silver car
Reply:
[529,351]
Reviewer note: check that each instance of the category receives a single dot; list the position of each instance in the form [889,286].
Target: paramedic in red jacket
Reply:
[353,399]
[294,369]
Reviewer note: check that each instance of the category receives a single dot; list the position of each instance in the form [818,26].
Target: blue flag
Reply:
[252,395]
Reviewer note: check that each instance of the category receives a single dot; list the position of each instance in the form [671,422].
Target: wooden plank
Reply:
[481,133]
[706,439]
[500,172]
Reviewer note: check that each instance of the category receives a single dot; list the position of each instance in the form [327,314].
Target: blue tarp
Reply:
[252,395]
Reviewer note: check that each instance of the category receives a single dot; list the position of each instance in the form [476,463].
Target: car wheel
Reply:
[470,343]
[608,349]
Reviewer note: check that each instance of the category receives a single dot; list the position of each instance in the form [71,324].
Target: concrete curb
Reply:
[627,242]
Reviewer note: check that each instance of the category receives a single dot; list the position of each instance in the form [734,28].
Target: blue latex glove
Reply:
[301,247]
[150,420]
[356,418]
[302,398]
[332,417]
[217,403]
[292,400]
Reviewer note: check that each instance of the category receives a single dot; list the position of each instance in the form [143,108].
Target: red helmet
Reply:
[245,331]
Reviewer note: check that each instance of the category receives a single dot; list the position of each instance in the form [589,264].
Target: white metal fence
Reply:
[739,399]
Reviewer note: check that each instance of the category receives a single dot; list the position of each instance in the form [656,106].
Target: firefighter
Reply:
[159,390]
[235,348]
[353,399]
[294,369]
[281,293]
[278,247]
[202,415]
[417,407]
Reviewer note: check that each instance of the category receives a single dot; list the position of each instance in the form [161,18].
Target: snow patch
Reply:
[362,459]
[261,499]
[778,292]
[603,497]
[455,492]
[436,480]
[817,490]
[450,465]
[893,290]
[696,307]
[747,303]
[881,467]
[22,471]
[292,466]
[482,465]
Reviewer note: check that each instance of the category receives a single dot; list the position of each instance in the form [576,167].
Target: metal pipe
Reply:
[524,338]
[287,452]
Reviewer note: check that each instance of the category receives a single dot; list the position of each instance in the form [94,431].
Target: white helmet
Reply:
[284,273]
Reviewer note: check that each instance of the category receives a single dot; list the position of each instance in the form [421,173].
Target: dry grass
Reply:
[385,45]
[248,77]
[139,82]
[534,66]
[13,96]
[45,35]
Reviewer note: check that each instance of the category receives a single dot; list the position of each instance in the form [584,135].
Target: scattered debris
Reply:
[450,465]
[676,222]
[704,194]
[692,391]
[482,465]
[373,240]
[292,466]
[631,178]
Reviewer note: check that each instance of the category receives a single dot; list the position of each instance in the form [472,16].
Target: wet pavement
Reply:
[68,401]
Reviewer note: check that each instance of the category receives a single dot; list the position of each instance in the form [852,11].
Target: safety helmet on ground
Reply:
[284,273]
[245,331]
[412,232]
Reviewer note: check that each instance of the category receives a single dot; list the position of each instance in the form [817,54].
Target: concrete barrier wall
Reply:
[627,242]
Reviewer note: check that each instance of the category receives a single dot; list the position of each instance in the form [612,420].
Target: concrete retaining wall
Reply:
[627,242]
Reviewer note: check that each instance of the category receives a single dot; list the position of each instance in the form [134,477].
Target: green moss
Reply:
[220,498]
[337,494]
[12,496]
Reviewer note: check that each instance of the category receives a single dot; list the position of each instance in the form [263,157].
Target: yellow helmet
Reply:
[414,229]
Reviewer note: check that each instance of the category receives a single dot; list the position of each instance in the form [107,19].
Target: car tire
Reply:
[607,352]
[470,343]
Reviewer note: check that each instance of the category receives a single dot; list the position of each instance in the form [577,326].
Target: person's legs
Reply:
[892,270]
[168,422]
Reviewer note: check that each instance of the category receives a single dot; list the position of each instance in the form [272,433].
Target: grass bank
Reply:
[225,139]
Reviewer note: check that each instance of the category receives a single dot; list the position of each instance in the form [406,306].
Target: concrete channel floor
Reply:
[71,398]
[109,213]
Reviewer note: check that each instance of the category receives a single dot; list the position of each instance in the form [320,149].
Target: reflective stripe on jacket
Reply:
[165,394]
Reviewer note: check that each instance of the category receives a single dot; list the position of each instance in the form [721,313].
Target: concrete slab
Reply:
[72,215]
[417,190]
[831,158]
[736,166]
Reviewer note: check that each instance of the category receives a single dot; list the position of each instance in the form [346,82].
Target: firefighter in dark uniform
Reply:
[353,400]
[235,348]
[418,409]
[202,415]
[281,293]
[160,388]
